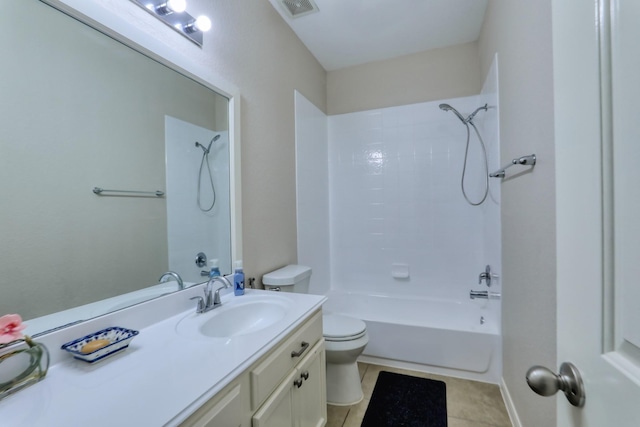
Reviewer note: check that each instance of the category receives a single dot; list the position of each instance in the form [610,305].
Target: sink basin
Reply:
[235,318]
[242,319]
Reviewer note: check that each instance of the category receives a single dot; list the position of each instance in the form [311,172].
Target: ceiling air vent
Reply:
[297,8]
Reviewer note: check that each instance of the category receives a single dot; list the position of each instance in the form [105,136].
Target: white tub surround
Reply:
[161,379]
[461,339]
[399,221]
[399,226]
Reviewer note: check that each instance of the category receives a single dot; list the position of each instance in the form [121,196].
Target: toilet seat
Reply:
[337,327]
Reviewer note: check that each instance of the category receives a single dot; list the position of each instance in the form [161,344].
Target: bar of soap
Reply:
[94,345]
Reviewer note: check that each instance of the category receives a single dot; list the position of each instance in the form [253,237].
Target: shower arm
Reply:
[529,160]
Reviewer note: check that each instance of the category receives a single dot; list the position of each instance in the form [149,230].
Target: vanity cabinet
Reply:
[300,400]
[228,408]
[286,387]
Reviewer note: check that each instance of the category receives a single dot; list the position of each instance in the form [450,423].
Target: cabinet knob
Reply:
[298,382]
[305,375]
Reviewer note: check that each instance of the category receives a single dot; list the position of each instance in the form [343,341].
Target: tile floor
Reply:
[469,403]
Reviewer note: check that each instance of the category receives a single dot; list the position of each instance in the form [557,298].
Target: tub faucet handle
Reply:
[486,276]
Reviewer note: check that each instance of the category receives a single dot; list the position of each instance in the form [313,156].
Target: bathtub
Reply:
[460,336]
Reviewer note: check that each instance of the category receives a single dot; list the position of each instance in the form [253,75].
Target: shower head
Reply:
[206,150]
[447,107]
[485,107]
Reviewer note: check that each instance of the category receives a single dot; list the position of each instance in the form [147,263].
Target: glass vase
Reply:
[23,367]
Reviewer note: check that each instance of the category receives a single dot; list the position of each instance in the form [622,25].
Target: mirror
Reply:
[81,110]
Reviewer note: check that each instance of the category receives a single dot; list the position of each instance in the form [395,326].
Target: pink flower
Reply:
[10,327]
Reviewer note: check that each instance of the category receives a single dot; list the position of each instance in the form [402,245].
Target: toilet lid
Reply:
[337,327]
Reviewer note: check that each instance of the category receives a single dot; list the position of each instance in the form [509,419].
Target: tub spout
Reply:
[484,295]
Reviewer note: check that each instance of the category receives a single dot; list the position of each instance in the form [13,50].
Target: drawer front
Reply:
[224,409]
[272,370]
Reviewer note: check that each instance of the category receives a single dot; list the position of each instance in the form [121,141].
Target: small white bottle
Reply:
[238,279]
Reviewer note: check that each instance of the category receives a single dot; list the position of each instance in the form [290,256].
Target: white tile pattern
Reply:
[395,198]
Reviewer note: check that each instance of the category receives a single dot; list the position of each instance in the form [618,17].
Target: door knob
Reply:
[546,383]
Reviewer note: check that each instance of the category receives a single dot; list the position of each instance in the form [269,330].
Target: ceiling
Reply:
[350,32]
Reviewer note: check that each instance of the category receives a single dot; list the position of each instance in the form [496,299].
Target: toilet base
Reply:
[343,384]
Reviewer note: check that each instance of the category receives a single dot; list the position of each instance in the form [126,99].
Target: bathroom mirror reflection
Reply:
[81,110]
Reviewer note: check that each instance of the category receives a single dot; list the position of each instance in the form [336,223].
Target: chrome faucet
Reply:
[165,278]
[211,298]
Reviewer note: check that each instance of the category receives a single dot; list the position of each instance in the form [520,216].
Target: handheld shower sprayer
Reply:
[206,150]
[447,107]
[205,159]
[466,122]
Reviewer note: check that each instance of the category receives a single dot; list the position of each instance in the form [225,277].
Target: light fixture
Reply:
[171,6]
[201,23]
[173,13]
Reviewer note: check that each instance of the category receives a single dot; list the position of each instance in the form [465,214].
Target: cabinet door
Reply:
[277,411]
[226,411]
[310,399]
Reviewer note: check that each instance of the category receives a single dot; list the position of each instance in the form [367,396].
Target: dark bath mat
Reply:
[404,401]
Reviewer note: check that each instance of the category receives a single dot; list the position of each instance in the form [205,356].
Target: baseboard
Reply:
[508,402]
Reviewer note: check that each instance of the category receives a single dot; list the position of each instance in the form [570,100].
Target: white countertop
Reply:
[161,379]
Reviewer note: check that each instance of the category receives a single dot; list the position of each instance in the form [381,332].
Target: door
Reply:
[596,70]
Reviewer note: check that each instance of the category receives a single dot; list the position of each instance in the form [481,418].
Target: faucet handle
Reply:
[486,275]
[216,297]
[200,306]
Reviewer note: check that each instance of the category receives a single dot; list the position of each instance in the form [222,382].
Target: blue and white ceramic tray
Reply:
[119,338]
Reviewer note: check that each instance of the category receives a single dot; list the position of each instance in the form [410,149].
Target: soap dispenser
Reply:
[238,279]
[215,270]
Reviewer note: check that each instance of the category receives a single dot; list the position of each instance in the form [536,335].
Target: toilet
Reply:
[345,338]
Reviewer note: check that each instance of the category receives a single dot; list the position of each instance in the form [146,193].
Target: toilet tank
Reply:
[292,278]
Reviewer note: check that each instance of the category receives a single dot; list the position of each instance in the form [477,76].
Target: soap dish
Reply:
[119,337]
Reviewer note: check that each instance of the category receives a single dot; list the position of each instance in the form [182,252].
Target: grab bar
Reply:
[99,191]
[529,160]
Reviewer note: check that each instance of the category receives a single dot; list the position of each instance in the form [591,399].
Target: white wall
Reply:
[520,33]
[449,72]
[312,192]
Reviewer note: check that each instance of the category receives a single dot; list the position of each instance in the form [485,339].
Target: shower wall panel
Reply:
[312,192]
[399,221]
[189,229]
